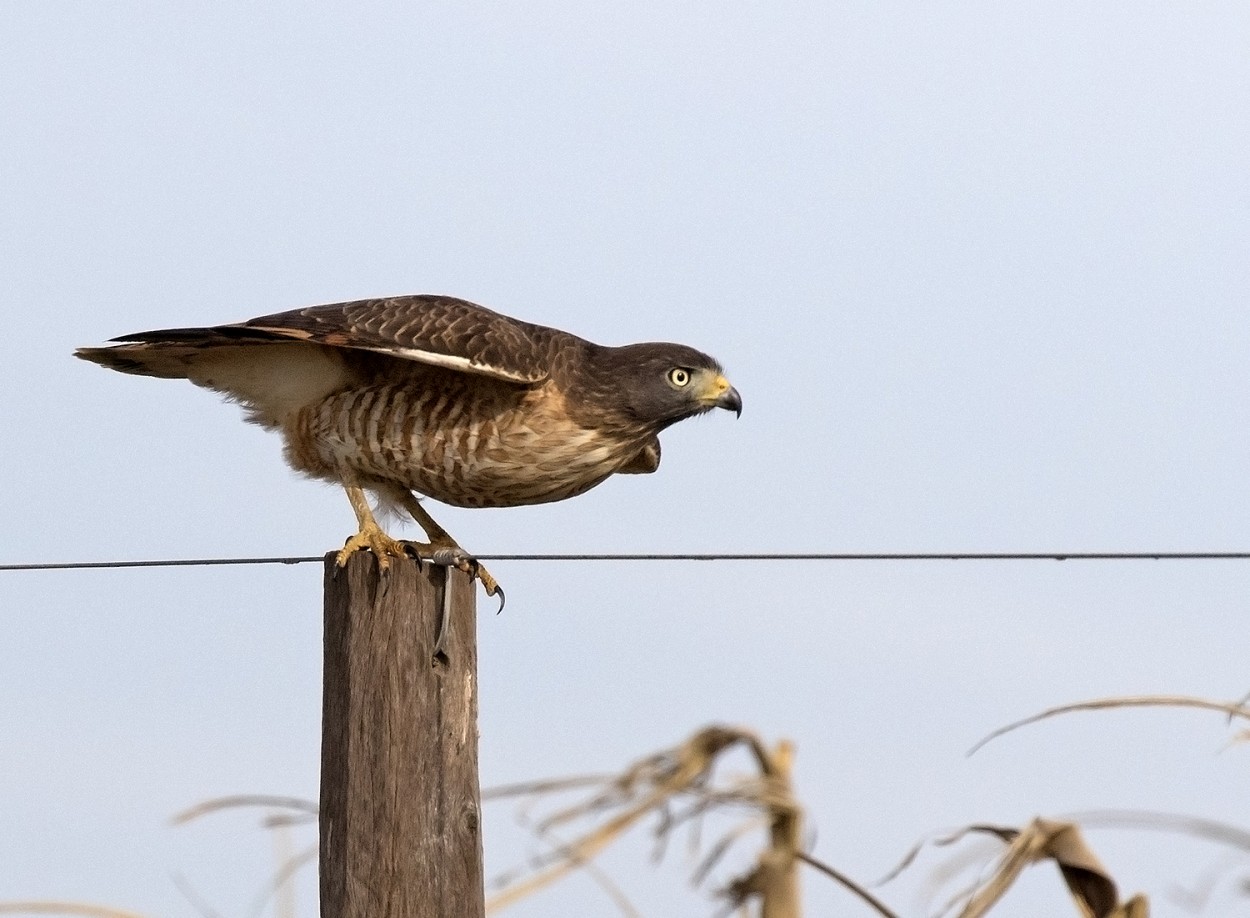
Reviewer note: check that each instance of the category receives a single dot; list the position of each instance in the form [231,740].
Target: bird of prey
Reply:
[439,396]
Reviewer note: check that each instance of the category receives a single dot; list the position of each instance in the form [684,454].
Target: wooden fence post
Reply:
[400,817]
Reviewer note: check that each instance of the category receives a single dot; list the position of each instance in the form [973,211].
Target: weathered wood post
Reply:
[400,817]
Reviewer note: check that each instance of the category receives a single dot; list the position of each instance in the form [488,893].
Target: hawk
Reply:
[438,396]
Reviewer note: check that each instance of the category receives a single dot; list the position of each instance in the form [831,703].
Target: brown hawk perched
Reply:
[439,396]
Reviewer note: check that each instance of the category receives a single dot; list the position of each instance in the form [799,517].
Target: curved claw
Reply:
[413,551]
[502,598]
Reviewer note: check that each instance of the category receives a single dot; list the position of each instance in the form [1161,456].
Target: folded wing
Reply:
[274,364]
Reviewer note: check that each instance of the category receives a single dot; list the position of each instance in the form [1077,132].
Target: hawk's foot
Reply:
[373,538]
[442,548]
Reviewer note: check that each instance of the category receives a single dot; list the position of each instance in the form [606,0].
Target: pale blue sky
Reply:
[979,270]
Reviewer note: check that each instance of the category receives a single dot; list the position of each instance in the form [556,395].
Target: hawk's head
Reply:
[659,384]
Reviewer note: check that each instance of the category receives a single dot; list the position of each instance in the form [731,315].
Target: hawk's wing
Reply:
[437,330]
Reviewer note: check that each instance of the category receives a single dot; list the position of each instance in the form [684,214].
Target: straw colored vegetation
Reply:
[682,786]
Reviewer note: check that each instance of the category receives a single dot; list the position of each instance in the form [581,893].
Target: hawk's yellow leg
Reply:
[370,534]
[440,541]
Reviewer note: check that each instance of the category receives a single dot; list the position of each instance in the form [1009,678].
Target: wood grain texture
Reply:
[400,801]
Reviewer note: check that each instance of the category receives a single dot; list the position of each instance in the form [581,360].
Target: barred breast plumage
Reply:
[439,396]
[465,444]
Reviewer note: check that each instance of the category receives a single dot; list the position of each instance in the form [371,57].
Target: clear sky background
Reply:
[979,271]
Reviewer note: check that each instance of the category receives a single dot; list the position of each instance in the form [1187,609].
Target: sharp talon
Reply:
[502,598]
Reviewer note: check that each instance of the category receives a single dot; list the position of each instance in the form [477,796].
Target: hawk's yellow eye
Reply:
[679,377]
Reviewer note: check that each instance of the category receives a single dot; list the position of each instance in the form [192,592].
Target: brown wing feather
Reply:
[274,364]
[438,330]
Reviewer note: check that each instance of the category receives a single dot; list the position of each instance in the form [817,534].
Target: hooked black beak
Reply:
[730,400]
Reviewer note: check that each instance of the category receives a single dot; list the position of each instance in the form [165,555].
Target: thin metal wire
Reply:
[719,556]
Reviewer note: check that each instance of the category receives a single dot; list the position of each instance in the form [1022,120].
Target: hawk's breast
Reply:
[470,443]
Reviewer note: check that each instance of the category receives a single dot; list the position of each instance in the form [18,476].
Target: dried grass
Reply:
[1234,709]
[1060,842]
[678,787]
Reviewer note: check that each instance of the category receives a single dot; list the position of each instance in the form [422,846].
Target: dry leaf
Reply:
[1092,888]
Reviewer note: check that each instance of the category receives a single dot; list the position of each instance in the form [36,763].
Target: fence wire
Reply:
[710,556]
